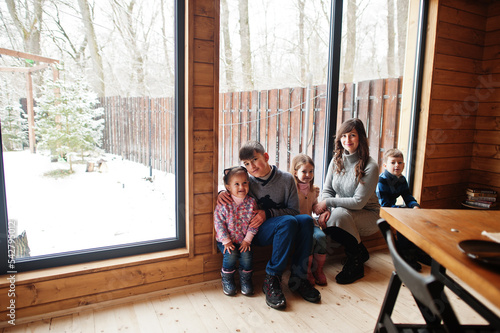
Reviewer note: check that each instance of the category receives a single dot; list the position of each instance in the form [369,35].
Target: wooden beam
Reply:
[29,56]
[24,69]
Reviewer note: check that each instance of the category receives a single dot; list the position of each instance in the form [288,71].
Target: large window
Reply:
[92,131]
[277,58]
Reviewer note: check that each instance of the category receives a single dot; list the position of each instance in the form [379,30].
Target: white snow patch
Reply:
[87,209]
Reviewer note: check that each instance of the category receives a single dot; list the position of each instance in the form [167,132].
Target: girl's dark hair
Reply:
[229,172]
[363,149]
[299,161]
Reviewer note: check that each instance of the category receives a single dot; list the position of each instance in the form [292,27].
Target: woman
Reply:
[349,192]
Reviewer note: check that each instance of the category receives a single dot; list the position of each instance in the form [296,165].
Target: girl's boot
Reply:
[228,285]
[319,276]
[310,267]
[246,283]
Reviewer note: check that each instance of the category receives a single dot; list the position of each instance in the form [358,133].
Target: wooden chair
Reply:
[428,293]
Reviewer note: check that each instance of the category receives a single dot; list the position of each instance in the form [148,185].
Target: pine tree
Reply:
[68,119]
[14,134]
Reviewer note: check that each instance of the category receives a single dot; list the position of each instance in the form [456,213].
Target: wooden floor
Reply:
[204,308]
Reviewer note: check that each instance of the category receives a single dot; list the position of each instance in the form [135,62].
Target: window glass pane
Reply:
[371,69]
[93,166]
[273,76]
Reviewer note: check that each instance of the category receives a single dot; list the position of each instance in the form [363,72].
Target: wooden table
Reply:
[438,232]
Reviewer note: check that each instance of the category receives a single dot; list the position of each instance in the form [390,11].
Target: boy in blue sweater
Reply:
[391,185]
[279,224]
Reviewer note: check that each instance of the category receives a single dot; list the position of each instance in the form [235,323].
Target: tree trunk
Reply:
[302,42]
[391,39]
[98,84]
[350,43]
[402,12]
[246,50]
[126,21]
[168,65]
[228,51]
[31,28]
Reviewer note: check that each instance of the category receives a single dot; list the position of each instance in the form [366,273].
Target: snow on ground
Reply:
[87,209]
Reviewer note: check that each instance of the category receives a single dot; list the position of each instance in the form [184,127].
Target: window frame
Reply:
[122,250]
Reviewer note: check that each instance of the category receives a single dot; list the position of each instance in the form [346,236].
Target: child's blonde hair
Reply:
[297,162]
[393,152]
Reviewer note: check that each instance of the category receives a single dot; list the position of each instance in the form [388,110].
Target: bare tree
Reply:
[98,84]
[28,22]
[246,49]
[350,42]
[402,13]
[63,38]
[302,42]
[391,40]
[226,40]
[168,65]
[134,29]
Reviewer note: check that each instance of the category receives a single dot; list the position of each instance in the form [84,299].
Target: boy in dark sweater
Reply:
[392,184]
[280,225]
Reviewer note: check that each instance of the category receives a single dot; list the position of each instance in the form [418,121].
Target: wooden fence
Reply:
[278,118]
[142,129]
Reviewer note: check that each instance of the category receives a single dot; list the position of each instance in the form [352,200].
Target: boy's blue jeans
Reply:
[229,260]
[287,234]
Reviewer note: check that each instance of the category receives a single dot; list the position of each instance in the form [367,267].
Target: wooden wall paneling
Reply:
[444,191]
[486,164]
[452,122]
[204,27]
[444,178]
[474,7]
[203,244]
[204,119]
[459,48]
[453,12]
[452,79]
[203,223]
[457,64]
[467,35]
[450,150]
[479,178]
[486,150]
[488,137]
[447,164]
[203,74]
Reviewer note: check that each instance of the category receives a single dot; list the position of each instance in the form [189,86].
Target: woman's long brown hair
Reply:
[363,149]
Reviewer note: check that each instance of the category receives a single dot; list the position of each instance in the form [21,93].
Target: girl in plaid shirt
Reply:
[233,233]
